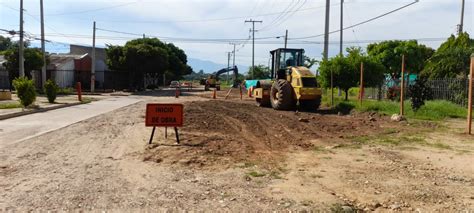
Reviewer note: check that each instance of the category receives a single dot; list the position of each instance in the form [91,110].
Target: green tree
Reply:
[259,72]
[389,53]
[451,59]
[5,43]
[148,58]
[33,61]
[346,71]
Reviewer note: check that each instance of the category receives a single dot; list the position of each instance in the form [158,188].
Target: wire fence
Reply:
[104,80]
[453,90]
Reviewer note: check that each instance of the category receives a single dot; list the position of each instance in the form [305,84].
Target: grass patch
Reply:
[65,91]
[275,175]
[390,131]
[255,174]
[433,110]
[10,105]
[86,100]
[440,146]
[320,149]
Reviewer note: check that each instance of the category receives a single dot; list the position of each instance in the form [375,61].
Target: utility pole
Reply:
[144,35]
[342,26]
[233,55]
[253,41]
[286,39]
[461,25]
[21,56]
[93,61]
[228,65]
[43,69]
[326,47]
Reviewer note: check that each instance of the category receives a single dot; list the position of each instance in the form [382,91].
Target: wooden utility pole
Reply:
[361,89]
[402,86]
[21,57]
[253,42]
[43,69]
[286,39]
[469,103]
[93,61]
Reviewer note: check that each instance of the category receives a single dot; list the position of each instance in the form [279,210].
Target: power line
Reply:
[283,20]
[201,20]
[363,22]
[281,14]
[91,10]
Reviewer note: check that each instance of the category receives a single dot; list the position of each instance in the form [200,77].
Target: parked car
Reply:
[174,84]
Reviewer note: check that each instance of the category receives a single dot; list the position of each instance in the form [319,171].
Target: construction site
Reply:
[142,115]
[233,155]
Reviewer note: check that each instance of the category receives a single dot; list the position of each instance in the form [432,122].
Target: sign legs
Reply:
[177,135]
[152,133]
[166,134]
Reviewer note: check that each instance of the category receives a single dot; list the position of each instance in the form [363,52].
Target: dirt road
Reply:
[235,156]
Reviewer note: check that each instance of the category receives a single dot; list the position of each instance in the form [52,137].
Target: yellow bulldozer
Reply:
[292,83]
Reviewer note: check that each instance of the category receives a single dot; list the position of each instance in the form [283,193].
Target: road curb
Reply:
[18,114]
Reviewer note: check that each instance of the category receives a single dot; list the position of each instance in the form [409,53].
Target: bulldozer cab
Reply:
[283,58]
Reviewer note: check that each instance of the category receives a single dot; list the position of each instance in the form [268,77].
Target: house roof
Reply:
[57,60]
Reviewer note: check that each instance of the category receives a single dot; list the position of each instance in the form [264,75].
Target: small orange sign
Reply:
[166,115]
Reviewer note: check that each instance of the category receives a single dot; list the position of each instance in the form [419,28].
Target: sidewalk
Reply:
[42,104]
[21,128]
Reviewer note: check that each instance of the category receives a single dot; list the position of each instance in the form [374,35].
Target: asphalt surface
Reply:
[18,129]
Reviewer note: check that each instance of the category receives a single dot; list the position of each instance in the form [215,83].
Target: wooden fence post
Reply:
[469,102]
[402,85]
[361,89]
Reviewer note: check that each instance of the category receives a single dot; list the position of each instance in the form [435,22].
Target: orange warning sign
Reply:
[167,115]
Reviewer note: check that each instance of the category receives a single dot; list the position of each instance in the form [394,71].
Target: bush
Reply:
[393,93]
[25,89]
[419,94]
[51,90]
[345,107]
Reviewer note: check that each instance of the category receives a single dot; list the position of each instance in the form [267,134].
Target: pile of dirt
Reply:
[225,132]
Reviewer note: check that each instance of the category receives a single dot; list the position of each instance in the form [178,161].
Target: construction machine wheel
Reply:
[281,95]
[310,105]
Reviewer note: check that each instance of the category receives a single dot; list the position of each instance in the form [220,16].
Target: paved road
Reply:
[21,128]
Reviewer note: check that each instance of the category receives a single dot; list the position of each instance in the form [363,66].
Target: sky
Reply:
[204,28]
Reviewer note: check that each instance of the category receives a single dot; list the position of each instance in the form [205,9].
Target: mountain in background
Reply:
[210,67]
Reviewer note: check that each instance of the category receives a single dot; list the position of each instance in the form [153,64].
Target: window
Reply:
[290,58]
